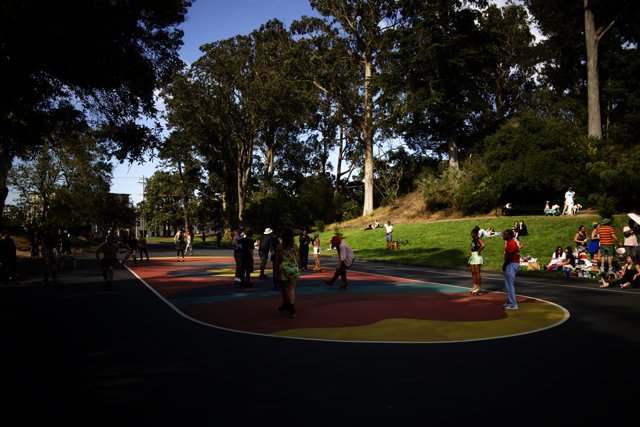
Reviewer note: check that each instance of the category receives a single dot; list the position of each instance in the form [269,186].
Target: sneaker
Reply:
[328,283]
[237,279]
[511,307]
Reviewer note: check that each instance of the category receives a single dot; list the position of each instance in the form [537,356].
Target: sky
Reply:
[209,21]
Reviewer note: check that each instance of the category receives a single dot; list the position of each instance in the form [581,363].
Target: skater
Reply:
[316,252]
[179,240]
[109,249]
[345,260]
[476,260]
[288,267]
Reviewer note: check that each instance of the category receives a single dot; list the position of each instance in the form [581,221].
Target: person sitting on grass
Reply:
[629,276]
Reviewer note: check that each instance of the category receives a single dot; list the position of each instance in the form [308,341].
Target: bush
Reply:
[439,190]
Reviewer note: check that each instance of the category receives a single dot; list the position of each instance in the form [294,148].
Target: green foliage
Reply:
[532,159]
[439,190]
[320,225]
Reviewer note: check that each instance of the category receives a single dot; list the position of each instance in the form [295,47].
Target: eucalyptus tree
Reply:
[363,24]
[575,32]
[444,75]
[104,58]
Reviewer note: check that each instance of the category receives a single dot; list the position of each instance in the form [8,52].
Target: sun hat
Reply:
[268,230]
[606,221]
[316,234]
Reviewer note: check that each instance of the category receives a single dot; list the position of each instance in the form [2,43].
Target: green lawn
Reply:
[446,243]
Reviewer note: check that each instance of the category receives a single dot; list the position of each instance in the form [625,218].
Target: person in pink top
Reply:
[510,267]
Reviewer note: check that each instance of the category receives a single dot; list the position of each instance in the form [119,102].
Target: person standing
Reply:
[630,240]
[189,244]
[264,246]
[109,249]
[510,267]
[476,260]
[594,244]
[345,260]
[580,238]
[569,198]
[316,251]
[607,249]
[179,240]
[287,265]
[236,245]
[388,233]
[246,253]
[304,242]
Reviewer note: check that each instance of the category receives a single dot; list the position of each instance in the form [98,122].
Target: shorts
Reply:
[476,259]
[316,250]
[607,250]
[389,237]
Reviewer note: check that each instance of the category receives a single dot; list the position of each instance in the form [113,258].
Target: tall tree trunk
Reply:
[185,198]
[593,80]
[367,136]
[337,189]
[5,167]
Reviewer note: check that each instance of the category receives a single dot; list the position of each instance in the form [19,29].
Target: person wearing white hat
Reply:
[264,244]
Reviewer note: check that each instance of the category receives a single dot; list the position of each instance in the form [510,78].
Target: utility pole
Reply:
[143,223]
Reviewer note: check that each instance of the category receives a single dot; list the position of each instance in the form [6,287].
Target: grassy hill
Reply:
[443,239]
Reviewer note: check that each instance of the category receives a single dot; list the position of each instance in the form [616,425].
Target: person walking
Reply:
[264,246]
[236,245]
[510,267]
[476,260]
[109,249]
[388,233]
[142,245]
[287,265]
[345,260]
[316,252]
[304,242]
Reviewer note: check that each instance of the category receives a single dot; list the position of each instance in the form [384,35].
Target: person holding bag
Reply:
[287,265]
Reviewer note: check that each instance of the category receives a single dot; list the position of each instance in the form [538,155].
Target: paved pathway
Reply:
[78,353]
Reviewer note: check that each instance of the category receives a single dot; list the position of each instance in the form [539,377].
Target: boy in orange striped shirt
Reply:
[607,237]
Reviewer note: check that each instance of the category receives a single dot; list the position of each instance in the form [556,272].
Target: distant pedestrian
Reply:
[109,249]
[179,240]
[264,247]
[304,250]
[236,246]
[476,260]
[345,260]
[246,255]
[188,249]
[316,252]
[132,250]
[569,200]
[510,266]
[388,233]
[142,245]
[287,265]
[594,244]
